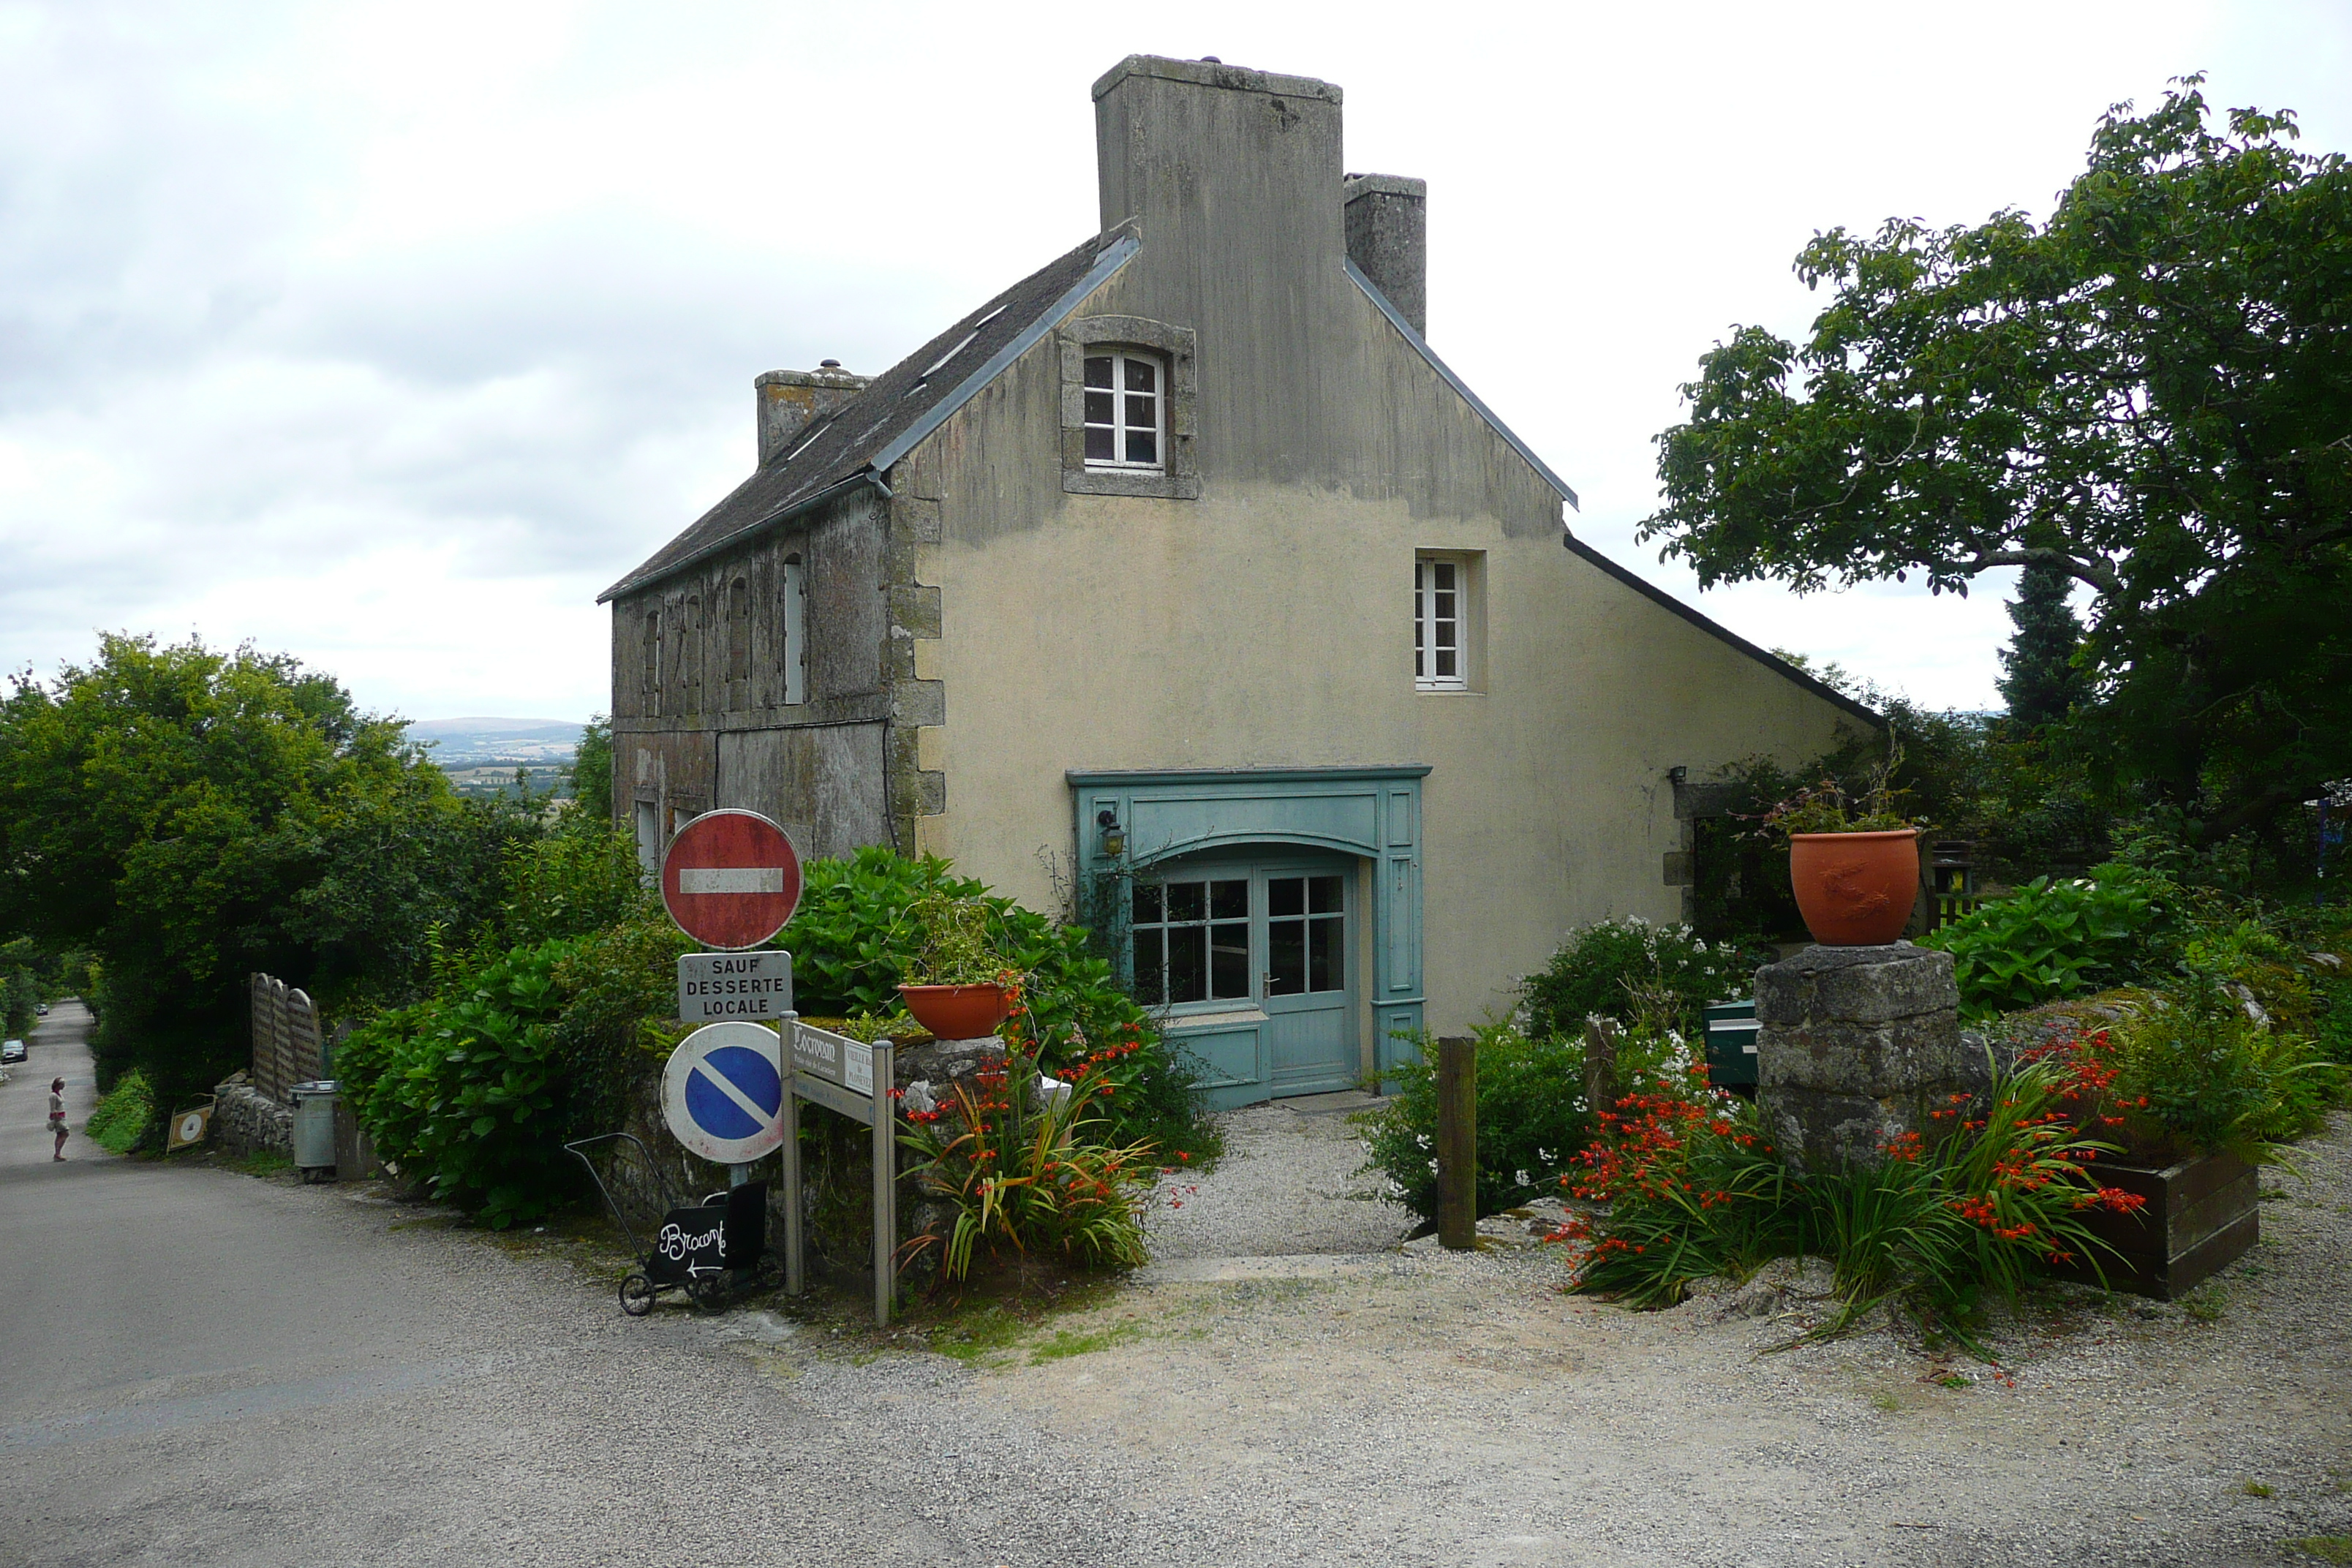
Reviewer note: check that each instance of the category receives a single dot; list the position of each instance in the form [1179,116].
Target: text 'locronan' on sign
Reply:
[715,986]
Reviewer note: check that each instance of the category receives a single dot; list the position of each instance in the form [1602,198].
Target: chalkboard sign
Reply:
[690,1245]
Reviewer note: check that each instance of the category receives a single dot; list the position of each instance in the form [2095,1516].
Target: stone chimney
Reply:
[1388,239]
[1231,167]
[789,401]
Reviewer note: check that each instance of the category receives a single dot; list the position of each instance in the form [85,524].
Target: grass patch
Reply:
[263,1162]
[2204,1303]
[971,1336]
[120,1120]
[2257,1489]
[1063,1343]
[2326,1547]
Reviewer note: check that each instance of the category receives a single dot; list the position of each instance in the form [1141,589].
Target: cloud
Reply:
[388,335]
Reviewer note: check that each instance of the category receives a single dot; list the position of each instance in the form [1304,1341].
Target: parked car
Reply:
[11,1051]
[42,1008]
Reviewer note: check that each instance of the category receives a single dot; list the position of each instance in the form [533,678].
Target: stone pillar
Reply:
[1855,1047]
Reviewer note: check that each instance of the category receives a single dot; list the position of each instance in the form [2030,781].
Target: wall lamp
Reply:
[1114,837]
[1678,776]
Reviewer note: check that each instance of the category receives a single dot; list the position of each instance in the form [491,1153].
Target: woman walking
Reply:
[57,1115]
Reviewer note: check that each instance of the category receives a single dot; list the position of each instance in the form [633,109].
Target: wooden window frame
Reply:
[793,589]
[1467,621]
[1177,476]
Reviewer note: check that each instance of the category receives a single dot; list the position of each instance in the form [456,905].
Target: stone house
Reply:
[1184,571]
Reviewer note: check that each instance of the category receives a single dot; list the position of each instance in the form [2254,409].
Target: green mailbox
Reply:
[1731,1045]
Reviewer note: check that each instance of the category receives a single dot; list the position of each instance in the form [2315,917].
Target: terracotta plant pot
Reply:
[1855,889]
[957,1012]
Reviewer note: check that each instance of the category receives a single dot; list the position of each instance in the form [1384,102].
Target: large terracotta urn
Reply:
[1855,889]
[957,1012]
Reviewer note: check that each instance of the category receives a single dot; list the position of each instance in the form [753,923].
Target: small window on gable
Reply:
[739,635]
[649,665]
[1126,411]
[1446,622]
[795,637]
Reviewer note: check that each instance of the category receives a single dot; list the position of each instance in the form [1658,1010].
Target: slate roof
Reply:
[905,404]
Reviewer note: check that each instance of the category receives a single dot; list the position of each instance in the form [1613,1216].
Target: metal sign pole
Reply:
[792,1152]
[886,1183]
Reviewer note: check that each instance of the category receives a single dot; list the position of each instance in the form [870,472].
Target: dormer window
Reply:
[1126,411]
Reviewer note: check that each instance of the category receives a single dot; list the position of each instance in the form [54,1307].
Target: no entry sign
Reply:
[731,878]
[723,1092]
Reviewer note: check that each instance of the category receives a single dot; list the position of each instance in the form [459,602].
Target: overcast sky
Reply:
[389,335]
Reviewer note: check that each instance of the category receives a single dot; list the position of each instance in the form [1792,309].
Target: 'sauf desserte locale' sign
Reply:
[713,987]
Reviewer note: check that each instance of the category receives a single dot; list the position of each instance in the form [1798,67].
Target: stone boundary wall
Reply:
[247,1122]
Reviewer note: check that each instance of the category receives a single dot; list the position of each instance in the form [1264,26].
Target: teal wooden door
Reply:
[1304,982]
[1256,951]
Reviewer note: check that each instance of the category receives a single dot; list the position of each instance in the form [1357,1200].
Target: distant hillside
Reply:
[472,742]
[481,755]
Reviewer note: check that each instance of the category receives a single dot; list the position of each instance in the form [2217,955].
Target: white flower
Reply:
[1545,1155]
[1432,1167]
[1521,1177]
[1422,1139]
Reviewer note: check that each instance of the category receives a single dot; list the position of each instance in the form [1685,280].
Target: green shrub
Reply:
[2051,939]
[125,1115]
[860,926]
[1532,1120]
[1622,969]
[2197,1073]
[581,877]
[473,1091]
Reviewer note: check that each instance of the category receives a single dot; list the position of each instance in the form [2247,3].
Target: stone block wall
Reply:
[247,1122]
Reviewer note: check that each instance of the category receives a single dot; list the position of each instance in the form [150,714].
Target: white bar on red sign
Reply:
[732,879]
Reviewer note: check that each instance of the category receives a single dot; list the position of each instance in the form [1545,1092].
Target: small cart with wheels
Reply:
[695,1247]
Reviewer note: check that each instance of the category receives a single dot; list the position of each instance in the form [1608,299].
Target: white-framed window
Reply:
[1126,411]
[1441,642]
[796,639]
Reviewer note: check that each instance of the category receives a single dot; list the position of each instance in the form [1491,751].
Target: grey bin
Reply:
[314,1128]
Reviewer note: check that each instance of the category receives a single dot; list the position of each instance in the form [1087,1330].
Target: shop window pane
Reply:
[1229,900]
[1323,895]
[1229,961]
[1147,903]
[1188,901]
[1148,968]
[1286,957]
[1188,962]
[1286,895]
[1326,970]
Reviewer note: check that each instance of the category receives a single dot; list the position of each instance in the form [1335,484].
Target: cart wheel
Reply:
[636,1295]
[709,1293]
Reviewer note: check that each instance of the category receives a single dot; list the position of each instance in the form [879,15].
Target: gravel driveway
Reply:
[205,1367]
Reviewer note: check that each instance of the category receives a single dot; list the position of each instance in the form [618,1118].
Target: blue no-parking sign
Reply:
[723,1092]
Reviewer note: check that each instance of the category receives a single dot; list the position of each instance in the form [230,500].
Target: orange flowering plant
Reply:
[1996,1190]
[1020,1165]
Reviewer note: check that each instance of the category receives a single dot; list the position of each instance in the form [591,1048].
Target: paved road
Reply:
[205,1367]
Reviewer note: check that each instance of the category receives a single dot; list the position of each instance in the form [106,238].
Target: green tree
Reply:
[190,816]
[2039,679]
[2150,394]
[591,773]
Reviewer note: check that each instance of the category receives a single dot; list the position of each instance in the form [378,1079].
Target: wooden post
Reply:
[1457,1144]
[1601,1064]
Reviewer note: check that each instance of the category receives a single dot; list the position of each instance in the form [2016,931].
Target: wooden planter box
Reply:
[2200,1214]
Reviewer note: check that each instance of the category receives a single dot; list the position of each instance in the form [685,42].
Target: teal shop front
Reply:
[1271,917]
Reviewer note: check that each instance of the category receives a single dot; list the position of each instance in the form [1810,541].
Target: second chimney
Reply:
[1388,239]
[792,400]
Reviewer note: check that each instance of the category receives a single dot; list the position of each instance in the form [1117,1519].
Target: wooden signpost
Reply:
[1457,1144]
[854,1080]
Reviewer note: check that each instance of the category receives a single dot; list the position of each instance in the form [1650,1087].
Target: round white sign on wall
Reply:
[723,1092]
